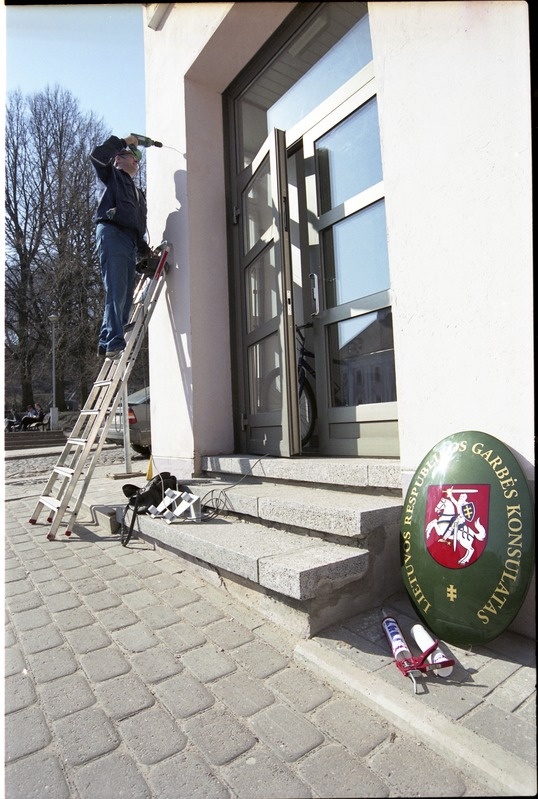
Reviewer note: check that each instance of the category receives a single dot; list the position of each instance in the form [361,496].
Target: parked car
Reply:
[139,423]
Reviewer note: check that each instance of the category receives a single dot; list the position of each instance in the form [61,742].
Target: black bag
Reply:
[152,493]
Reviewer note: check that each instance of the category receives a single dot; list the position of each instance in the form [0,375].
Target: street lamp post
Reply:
[54,410]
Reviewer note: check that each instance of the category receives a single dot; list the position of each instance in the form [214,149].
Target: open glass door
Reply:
[355,372]
[270,422]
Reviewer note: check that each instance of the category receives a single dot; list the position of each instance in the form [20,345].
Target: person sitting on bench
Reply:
[34,414]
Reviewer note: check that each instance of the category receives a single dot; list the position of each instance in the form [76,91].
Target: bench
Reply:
[43,424]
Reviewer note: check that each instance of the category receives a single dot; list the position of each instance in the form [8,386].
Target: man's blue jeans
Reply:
[117,255]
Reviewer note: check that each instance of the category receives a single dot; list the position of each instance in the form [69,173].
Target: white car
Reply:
[139,423]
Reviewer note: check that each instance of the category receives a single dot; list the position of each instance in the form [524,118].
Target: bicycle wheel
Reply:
[308,412]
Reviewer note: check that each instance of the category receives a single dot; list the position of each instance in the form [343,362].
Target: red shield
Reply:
[456,523]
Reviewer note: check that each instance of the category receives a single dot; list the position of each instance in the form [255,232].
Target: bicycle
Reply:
[307,399]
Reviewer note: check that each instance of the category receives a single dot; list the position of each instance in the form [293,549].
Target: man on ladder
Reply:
[120,235]
[121,226]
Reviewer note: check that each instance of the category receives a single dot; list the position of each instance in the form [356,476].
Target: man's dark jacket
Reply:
[121,203]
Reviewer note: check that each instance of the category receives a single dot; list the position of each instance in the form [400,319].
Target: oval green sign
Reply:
[467,538]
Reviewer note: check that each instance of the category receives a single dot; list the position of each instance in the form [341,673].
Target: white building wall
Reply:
[454,104]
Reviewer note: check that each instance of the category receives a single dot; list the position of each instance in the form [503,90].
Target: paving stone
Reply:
[152,735]
[190,777]
[79,573]
[207,663]
[219,736]
[117,618]
[163,582]
[334,772]
[104,664]
[84,736]
[260,774]
[351,724]
[31,619]
[88,639]
[260,659]
[181,637]
[158,616]
[201,613]
[430,775]
[140,599]
[124,695]
[66,695]
[14,661]
[102,600]
[156,664]
[300,688]
[112,777]
[17,585]
[56,587]
[286,732]
[73,619]
[91,585]
[242,694]
[229,634]
[41,640]
[38,776]
[125,585]
[26,601]
[183,695]
[505,729]
[59,662]
[65,601]
[18,692]
[25,732]
[179,596]
[511,693]
[136,638]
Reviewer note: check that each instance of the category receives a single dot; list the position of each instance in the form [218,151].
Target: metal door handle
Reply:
[314,293]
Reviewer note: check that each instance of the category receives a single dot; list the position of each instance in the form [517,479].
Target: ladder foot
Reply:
[32,521]
[50,519]
[51,537]
[68,532]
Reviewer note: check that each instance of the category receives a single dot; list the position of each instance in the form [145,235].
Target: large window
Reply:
[331,47]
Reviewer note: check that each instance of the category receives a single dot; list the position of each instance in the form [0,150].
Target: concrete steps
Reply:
[308,542]
[34,439]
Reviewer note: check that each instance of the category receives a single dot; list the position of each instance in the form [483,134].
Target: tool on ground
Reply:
[409,665]
[426,643]
[85,442]
[145,141]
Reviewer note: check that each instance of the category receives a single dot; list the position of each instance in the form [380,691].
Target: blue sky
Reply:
[94,51]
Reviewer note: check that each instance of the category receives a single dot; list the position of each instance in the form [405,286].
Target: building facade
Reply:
[362,172]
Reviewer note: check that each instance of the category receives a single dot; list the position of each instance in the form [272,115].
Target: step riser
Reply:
[33,440]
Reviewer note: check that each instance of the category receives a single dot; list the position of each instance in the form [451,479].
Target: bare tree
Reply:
[51,266]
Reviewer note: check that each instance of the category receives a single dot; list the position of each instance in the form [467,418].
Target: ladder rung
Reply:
[78,441]
[89,413]
[64,470]
[102,383]
[50,502]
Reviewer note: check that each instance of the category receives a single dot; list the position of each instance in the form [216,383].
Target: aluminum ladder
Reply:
[85,442]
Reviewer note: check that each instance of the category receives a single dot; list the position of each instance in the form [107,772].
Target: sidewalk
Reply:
[129,675]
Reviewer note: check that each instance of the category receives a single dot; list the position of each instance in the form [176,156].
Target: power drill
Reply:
[145,141]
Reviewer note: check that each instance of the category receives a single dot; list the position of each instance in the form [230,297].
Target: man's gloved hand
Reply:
[143,250]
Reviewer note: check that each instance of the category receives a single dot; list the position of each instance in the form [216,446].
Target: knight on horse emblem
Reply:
[453,522]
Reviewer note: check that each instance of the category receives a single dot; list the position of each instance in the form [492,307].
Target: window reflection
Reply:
[264,375]
[262,290]
[257,208]
[348,158]
[355,256]
[361,360]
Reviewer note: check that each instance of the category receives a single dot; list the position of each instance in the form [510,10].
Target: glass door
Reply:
[354,348]
[270,420]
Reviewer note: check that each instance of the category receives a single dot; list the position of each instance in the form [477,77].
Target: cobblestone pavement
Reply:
[127,675]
